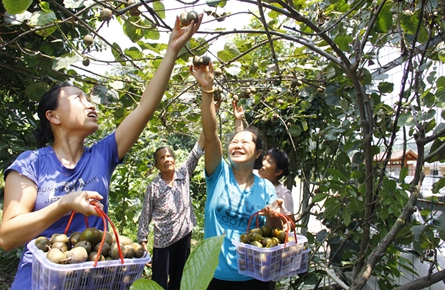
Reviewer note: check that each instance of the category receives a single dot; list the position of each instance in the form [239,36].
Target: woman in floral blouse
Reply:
[167,204]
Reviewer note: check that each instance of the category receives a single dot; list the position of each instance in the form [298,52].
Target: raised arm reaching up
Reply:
[130,129]
[204,76]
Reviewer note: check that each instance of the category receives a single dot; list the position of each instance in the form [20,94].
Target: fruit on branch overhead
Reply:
[86,61]
[135,10]
[295,83]
[106,14]
[192,16]
[201,61]
[187,17]
[88,39]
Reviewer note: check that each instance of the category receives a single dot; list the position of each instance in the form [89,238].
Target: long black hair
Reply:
[49,101]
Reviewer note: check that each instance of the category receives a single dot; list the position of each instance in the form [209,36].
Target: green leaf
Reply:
[346,216]
[158,6]
[344,41]
[403,173]
[438,185]
[332,210]
[216,3]
[234,69]
[385,87]
[440,83]
[117,53]
[42,18]
[384,20]
[441,55]
[319,197]
[145,284]
[36,90]
[201,264]
[64,62]
[16,6]
[337,173]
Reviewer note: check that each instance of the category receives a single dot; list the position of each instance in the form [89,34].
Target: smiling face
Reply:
[242,148]
[165,160]
[74,112]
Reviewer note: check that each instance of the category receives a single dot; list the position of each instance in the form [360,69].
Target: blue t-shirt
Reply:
[228,210]
[92,172]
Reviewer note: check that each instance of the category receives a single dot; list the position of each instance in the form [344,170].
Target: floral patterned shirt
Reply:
[170,207]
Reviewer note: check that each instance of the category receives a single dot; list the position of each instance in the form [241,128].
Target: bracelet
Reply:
[209,91]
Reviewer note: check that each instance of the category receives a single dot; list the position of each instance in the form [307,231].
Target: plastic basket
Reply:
[268,264]
[304,267]
[110,274]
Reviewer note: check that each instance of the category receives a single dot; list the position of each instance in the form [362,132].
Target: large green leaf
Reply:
[384,19]
[198,270]
[16,6]
[145,284]
[63,62]
[201,265]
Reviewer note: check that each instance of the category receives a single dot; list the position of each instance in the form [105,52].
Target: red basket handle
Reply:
[104,217]
[287,220]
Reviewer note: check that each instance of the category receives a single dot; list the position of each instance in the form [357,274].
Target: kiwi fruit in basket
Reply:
[265,237]
[84,246]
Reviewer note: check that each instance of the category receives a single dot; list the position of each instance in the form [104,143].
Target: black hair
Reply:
[160,148]
[49,101]
[281,159]
[258,144]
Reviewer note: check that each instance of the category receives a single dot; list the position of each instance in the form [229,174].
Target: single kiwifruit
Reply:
[77,255]
[114,251]
[183,19]
[74,238]
[88,39]
[93,255]
[105,248]
[91,235]
[108,238]
[59,238]
[56,256]
[267,231]
[192,16]
[86,61]
[84,244]
[106,14]
[61,246]
[43,243]
[129,252]
[138,250]
[125,240]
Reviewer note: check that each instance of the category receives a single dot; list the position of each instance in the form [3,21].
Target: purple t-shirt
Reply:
[92,172]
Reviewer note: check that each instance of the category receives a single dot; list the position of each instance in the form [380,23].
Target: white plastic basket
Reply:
[111,274]
[304,267]
[268,264]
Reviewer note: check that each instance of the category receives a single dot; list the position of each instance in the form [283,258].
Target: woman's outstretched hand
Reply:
[180,35]
[203,75]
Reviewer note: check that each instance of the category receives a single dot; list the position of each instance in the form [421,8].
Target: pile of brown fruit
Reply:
[84,246]
[265,237]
